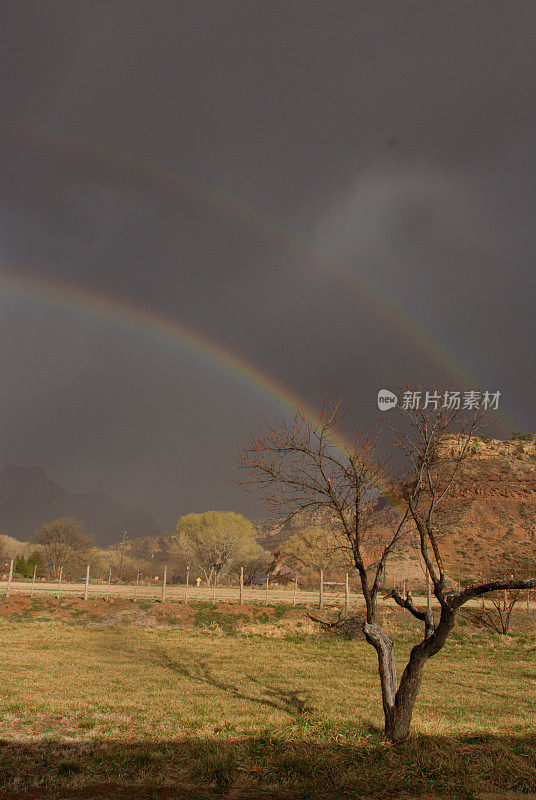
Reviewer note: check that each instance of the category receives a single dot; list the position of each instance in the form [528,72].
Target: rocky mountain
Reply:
[491,508]
[29,498]
[488,519]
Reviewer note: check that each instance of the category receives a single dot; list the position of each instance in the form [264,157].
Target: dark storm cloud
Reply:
[397,139]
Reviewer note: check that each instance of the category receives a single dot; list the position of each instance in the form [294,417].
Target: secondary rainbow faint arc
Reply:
[273,228]
[133,317]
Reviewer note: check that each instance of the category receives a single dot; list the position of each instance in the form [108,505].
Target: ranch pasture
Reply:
[123,699]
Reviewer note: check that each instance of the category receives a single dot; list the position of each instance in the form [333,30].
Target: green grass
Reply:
[166,706]
[207,616]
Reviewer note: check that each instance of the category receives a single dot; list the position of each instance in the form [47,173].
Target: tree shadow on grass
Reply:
[291,701]
[267,767]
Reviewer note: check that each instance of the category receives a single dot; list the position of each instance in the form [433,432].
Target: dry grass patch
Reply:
[84,703]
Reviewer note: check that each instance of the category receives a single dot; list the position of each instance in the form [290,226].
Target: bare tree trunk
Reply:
[399,700]
[399,716]
[385,648]
[397,703]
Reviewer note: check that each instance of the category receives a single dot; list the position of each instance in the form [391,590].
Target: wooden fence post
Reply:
[321,603]
[241,601]
[86,589]
[164,581]
[214,587]
[346,594]
[33,580]
[137,584]
[108,587]
[59,583]
[295,589]
[267,584]
[187,583]
[9,579]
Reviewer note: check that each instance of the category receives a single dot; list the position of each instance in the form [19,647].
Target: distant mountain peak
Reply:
[29,498]
[32,473]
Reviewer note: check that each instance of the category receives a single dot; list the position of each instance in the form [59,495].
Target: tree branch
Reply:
[424,616]
[456,601]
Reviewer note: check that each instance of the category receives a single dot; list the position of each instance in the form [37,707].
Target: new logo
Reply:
[386,400]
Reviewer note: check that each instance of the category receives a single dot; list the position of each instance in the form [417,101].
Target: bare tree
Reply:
[301,466]
[254,566]
[499,616]
[317,548]
[65,544]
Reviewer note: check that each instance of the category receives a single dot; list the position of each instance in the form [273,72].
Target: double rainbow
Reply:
[134,317]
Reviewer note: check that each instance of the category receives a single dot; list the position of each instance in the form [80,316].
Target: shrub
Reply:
[25,566]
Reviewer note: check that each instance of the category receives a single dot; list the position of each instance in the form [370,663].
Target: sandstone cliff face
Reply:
[271,534]
[487,523]
[496,468]
[489,516]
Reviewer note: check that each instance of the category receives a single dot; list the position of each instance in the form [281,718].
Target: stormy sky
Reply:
[340,193]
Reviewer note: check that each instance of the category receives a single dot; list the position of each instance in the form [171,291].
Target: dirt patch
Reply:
[231,617]
[96,610]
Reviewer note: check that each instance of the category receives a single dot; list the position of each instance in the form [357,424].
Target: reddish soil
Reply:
[49,607]
[95,610]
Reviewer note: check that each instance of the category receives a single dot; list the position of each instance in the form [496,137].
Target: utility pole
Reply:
[122,553]
[10,578]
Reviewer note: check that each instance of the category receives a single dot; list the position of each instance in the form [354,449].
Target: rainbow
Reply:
[157,326]
[225,203]
[136,318]
[164,329]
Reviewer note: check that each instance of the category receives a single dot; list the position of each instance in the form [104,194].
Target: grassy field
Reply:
[98,698]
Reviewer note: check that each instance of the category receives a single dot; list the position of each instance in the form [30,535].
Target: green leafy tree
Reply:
[25,566]
[217,539]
